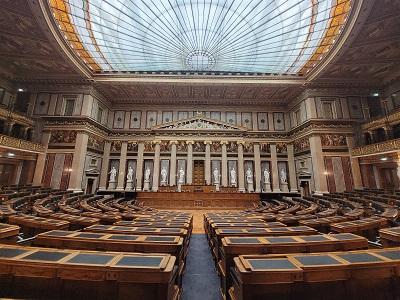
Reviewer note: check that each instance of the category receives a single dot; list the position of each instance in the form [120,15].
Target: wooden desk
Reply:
[235,246]
[323,224]
[363,274]
[72,274]
[367,227]
[390,237]
[76,222]
[8,234]
[31,225]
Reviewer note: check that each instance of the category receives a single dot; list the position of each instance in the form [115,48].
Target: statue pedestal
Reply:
[250,187]
[180,186]
[129,185]
[163,183]
[284,187]
[267,186]
[111,185]
[146,186]
[217,186]
[234,185]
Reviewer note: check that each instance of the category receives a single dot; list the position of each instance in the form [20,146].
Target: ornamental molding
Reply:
[7,141]
[198,123]
[316,129]
[379,148]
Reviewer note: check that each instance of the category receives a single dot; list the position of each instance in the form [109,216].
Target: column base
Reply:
[129,186]
[284,187]
[146,186]
[276,190]
[74,190]
[294,191]
[179,186]
[320,192]
[154,189]
[111,185]
[250,187]
[217,187]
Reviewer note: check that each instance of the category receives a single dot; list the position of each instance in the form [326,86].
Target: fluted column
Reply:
[257,167]
[207,167]
[189,172]
[224,167]
[78,162]
[156,167]
[104,167]
[292,169]
[240,167]
[122,167]
[274,169]
[172,175]
[41,160]
[354,164]
[321,185]
[139,166]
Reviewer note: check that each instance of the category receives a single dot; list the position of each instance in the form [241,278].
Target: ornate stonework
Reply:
[62,137]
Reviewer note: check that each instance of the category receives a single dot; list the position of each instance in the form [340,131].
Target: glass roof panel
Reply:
[263,36]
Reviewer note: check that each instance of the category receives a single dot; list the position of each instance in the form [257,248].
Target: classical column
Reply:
[172,174]
[354,164]
[207,167]
[139,166]
[8,127]
[122,167]
[104,167]
[274,169]
[224,167]
[240,166]
[321,185]
[156,167]
[78,162]
[372,136]
[189,172]
[388,132]
[24,134]
[292,169]
[41,160]
[257,167]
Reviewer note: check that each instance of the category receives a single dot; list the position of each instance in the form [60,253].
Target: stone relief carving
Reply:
[281,148]
[334,140]
[95,142]
[63,136]
[302,144]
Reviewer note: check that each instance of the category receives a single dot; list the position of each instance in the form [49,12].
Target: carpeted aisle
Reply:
[200,281]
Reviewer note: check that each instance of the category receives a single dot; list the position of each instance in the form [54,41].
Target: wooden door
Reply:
[198,172]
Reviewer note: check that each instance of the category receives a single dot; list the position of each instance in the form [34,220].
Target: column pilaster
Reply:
[240,166]
[321,185]
[104,167]
[78,162]
[139,166]
[354,164]
[189,172]
[41,160]
[224,167]
[122,167]
[257,166]
[172,175]
[207,167]
[156,167]
[292,169]
[274,169]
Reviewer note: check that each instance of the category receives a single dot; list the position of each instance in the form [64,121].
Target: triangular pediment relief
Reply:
[198,123]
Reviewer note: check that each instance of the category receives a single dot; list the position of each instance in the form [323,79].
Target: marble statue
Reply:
[147,174]
[181,176]
[129,176]
[216,175]
[283,176]
[266,176]
[163,174]
[113,174]
[233,176]
[249,176]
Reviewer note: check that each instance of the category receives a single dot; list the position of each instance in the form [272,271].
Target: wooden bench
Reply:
[27,272]
[362,274]
[235,246]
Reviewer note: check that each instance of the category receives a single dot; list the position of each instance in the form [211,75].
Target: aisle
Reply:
[200,281]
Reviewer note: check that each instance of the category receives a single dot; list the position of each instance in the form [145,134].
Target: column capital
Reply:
[158,142]
[189,142]
[224,142]
[174,142]
[241,143]
[207,142]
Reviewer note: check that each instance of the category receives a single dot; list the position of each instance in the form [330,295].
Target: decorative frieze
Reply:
[63,137]
[281,148]
[392,145]
[8,141]
[301,145]
[333,140]
[95,142]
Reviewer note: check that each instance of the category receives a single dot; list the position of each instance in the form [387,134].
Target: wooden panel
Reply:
[49,170]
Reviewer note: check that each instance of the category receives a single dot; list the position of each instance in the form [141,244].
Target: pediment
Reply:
[198,123]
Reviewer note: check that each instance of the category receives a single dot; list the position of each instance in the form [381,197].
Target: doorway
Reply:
[198,172]
[305,187]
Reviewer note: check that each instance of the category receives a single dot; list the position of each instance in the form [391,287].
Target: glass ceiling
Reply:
[257,36]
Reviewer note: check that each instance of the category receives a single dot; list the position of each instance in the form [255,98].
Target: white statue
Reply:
[233,176]
[216,175]
[181,175]
[129,176]
[266,176]
[147,174]
[163,174]
[113,174]
[249,176]
[283,176]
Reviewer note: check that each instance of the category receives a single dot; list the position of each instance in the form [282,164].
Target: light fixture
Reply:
[384,158]
[21,90]
[11,154]
[375,94]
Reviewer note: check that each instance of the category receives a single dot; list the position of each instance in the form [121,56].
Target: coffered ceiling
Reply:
[31,51]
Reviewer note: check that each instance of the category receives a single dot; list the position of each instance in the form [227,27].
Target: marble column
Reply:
[156,167]
[241,167]
[354,164]
[224,167]
[189,172]
[207,167]
[274,169]
[41,160]
[319,171]
[257,167]
[78,162]
[172,174]
[139,166]
[292,169]
[122,167]
[104,167]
